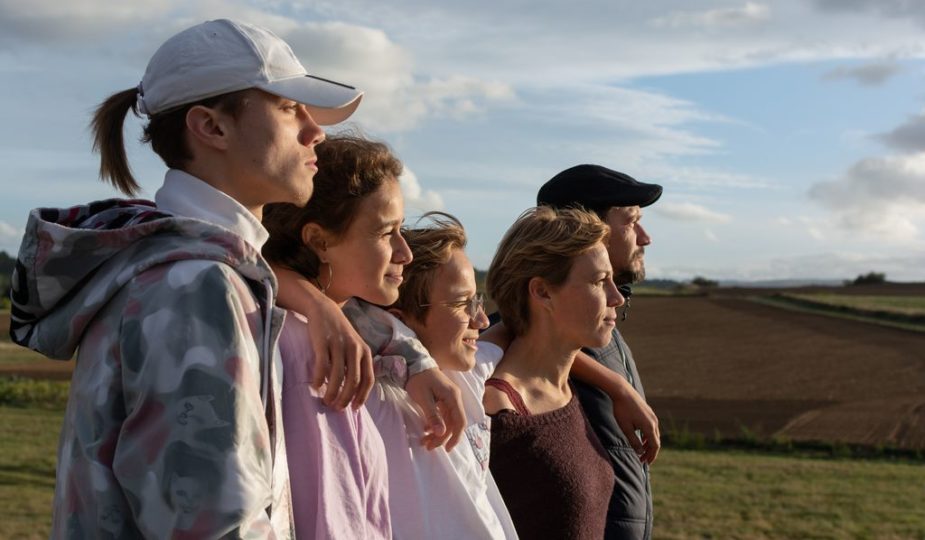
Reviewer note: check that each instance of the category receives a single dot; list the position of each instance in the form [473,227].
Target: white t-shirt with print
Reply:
[435,493]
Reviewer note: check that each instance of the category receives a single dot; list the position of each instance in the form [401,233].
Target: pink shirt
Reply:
[337,463]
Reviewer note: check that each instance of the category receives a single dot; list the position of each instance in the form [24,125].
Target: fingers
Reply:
[436,432]
[440,404]
[653,438]
[336,374]
[629,432]
[456,418]
[367,378]
[646,422]
[351,376]
[322,362]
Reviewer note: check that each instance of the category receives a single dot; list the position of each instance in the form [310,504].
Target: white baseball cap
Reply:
[223,56]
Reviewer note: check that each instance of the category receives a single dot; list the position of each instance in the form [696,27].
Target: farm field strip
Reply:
[698,494]
[738,495]
[908,305]
[723,363]
[904,321]
[27,470]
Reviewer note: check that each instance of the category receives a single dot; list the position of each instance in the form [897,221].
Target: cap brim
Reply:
[329,102]
[652,193]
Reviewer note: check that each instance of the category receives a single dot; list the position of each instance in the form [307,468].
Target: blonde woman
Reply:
[553,283]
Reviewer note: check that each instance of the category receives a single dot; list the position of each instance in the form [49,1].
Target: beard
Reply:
[628,274]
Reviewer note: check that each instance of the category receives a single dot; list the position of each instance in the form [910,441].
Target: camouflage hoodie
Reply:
[171,424]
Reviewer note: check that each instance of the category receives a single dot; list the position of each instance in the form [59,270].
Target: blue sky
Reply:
[789,135]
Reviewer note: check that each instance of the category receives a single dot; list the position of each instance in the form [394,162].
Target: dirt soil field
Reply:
[715,364]
[15,360]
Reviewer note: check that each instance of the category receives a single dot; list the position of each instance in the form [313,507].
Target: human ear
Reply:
[539,291]
[315,237]
[208,127]
[397,313]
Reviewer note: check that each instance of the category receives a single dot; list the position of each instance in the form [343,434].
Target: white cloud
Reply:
[397,99]
[10,237]
[76,21]
[882,197]
[750,13]
[710,235]
[7,230]
[417,198]
[876,181]
[816,233]
[887,8]
[702,178]
[812,226]
[690,212]
[636,129]
[840,265]
[908,137]
[398,96]
[871,74]
[830,265]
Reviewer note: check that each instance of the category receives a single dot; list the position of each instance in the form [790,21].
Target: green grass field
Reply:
[907,313]
[698,494]
[727,495]
[27,470]
[903,305]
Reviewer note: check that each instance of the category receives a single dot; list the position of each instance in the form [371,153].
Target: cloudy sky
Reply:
[789,135]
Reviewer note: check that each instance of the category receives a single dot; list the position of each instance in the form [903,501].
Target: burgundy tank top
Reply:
[511,394]
[551,470]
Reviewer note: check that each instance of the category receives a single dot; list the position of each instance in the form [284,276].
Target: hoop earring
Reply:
[324,288]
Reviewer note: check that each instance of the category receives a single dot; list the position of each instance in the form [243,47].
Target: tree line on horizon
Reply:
[7,263]
[6,271]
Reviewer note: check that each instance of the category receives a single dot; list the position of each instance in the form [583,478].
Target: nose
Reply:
[311,133]
[401,253]
[614,298]
[642,237]
[480,321]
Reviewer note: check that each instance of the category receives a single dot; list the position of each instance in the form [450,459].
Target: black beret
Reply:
[596,188]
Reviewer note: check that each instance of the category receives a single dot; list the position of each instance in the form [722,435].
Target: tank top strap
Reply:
[511,393]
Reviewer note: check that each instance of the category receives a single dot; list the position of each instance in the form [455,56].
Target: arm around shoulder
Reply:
[341,355]
[630,410]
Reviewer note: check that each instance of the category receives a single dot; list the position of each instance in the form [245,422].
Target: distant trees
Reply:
[870,278]
[704,283]
[6,271]
[6,264]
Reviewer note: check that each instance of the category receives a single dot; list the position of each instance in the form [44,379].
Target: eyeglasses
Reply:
[473,306]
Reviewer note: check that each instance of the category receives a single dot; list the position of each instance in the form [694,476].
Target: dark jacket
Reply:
[630,512]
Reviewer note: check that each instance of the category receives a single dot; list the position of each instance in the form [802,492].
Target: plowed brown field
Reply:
[715,364]
[15,360]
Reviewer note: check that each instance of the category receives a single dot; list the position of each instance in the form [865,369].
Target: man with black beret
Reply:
[618,199]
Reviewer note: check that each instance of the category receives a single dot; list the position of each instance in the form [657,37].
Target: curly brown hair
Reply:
[350,168]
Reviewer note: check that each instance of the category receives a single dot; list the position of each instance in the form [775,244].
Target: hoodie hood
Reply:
[72,261]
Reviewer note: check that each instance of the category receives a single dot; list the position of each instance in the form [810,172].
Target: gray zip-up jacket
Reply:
[630,512]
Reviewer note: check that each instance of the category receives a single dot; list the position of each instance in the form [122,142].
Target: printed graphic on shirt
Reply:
[479,436]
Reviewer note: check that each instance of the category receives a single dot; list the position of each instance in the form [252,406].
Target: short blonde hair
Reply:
[431,247]
[543,243]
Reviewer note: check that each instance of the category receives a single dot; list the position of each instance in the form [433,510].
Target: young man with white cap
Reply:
[618,199]
[173,425]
